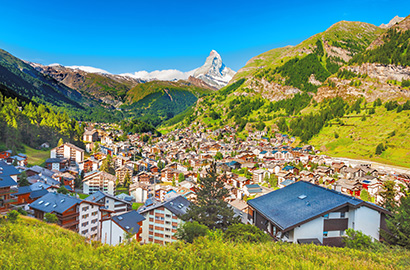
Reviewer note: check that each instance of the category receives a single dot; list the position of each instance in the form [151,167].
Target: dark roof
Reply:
[23,190]
[97,196]
[177,205]
[7,170]
[56,160]
[287,207]
[6,181]
[129,220]
[54,202]
[38,193]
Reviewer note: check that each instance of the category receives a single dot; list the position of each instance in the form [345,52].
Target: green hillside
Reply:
[157,101]
[31,244]
[336,46]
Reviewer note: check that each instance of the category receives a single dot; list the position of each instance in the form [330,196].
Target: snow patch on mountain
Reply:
[162,75]
[87,69]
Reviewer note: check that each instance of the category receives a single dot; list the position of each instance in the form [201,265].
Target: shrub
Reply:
[245,233]
[191,230]
[51,218]
[357,239]
[12,216]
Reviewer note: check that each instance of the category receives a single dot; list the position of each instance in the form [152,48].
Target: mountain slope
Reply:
[282,72]
[28,82]
[106,88]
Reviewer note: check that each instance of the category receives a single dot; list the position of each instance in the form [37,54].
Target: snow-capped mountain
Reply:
[214,72]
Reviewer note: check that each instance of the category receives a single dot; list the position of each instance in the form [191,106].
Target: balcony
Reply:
[8,191]
[11,200]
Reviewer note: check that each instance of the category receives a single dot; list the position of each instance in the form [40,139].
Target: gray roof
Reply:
[54,202]
[129,220]
[7,170]
[99,195]
[287,208]
[177,205]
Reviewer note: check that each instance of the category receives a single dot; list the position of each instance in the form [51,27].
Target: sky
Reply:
[127,36]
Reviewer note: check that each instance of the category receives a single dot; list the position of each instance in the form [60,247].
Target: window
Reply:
[151,229]
[167,236]
[167,222]
[342,214]
[167,229]
[168,216]
[120,239]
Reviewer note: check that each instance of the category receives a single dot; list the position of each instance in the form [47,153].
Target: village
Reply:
[140,185]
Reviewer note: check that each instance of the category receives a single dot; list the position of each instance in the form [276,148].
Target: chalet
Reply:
[121,172]
[307,213]
[147,177]
[162,219]
[8,187]
[9,170]
[89,165]
[111,203]
[29,194]
[90,136]
[5,154]
[99,181]
[140,191]
[240,182]
[20,159]
[63,206]
[37,170]
[56,164]
[114,229]
[69,151]
[352,173]
[339,167]
[259,175]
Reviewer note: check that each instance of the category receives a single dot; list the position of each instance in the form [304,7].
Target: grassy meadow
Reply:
[31,244]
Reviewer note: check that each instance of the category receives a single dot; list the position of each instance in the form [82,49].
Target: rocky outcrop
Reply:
[200,83]
[381,82]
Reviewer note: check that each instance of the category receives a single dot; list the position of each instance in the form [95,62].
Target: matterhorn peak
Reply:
[214,72]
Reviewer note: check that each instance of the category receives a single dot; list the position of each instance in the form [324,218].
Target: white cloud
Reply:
[88,69]
[163,75]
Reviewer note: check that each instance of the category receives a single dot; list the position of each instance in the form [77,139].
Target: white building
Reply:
[99,181]
[115,229]
[306,213]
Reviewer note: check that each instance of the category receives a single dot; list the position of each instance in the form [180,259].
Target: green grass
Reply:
[31,244]
[82,196]
[359,141]
[36,157]
[136,205]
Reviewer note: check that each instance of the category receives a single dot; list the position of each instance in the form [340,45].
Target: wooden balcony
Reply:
[8,191]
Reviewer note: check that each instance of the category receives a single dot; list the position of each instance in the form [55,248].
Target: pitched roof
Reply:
[97,196]
[287,207]
[129,220]
[7,181]
[177,205]
[54,202]
[7,170]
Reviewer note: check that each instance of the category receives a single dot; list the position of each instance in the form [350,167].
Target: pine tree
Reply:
[211,209]
[398,224]
[23,180]
[127,180]
[388,195]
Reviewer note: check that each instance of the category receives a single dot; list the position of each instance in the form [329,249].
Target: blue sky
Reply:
[127,36]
